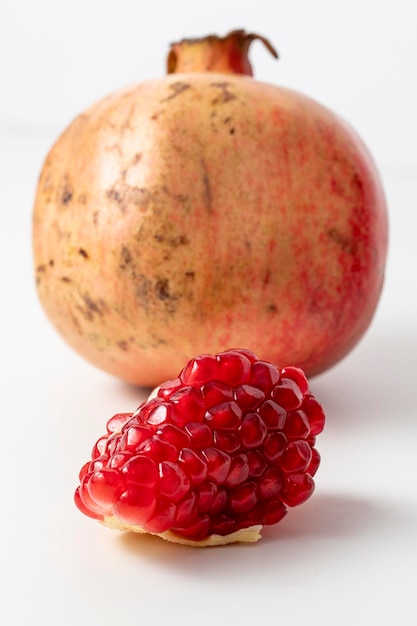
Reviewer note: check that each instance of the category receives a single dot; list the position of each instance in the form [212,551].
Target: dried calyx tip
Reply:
[228,54]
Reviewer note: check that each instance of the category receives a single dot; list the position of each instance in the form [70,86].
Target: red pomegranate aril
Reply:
[201,435]
[274,512]
[140,470]
[234,367]
[219,502]
[87,468]
[297,375]
[252,517]
[206,496]
[315,414]
[187,509]
[99,447]
[297,425]
[274,445]
[204,367]
[193,465]
[104,487]
[118,459]
[226,441]
[270,484]
[225,416]
[163,517]
[159,450]
[197,531]
[189,406]
[296,457]
[238,472]
[252,431]
[297,488]
[287,394]
[218,464]
[135,506]
[87,500]
[264,375]
[159,414]
[116,422]
[249,397]
[83,508]
[314,463]
[215,392]
[243,498]
[256,462]
[273,415]
[133,437]
[174,435]
[166,389]
[223,525]
[173,482]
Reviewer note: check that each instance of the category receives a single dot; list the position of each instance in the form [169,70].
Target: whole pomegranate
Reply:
[205,210]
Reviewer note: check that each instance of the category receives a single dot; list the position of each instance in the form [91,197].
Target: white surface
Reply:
[349,555]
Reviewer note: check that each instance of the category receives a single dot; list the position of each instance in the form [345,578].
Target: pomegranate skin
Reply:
[202,210]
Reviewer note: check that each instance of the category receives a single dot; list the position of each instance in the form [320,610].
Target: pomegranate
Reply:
[206,209]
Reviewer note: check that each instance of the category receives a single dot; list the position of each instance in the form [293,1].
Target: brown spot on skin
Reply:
[176,88]
[41,268]
[272,308]
[83,253]
[190,274]
[66,191]
[162,289]
[345,243]
[225,94]
[51,263]
[91,307]
[82,198]
[123,345]
[65,279]
[125,196]
[137,158]
[126,257]
[207,187]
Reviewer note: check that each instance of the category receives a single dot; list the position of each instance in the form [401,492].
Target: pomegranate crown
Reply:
[227,54]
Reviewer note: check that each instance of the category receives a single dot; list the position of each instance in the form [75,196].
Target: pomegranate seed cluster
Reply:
[227,445]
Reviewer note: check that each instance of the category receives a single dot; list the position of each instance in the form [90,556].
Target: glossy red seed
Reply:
[250,518]
[162,518]
[218,464]
[249,397]
[104,487]
[189,406]
[201,435]
[239,470]
[296,425]
[166,389]
[118,459]
[201,369]
[296,457]
[117,422]
[87,500]
[83,508]
[195,468]
[274,512]
[314,463]
[187,509]
[274,446]
[223,525]
[140,470]
[252,431]
[270,484]
[178,437]
[297,375]
[234,368]
[159,414]
[273,415]
[264,375]
[226,441]
[173,482]
[225,416]
[215,392]
[159,450]
[297,488]
[256,462]
[133,437]
[206,496]
[219,502]
[99,447]
[135,506]
[245,352]
[197,531]
[243,498]
[315,414]
[287,394]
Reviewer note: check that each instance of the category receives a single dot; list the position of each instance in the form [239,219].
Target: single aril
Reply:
[211,457]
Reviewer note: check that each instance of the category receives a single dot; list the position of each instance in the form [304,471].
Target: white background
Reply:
[349,555]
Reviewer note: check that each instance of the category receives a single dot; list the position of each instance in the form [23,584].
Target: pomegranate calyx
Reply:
[227,55]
